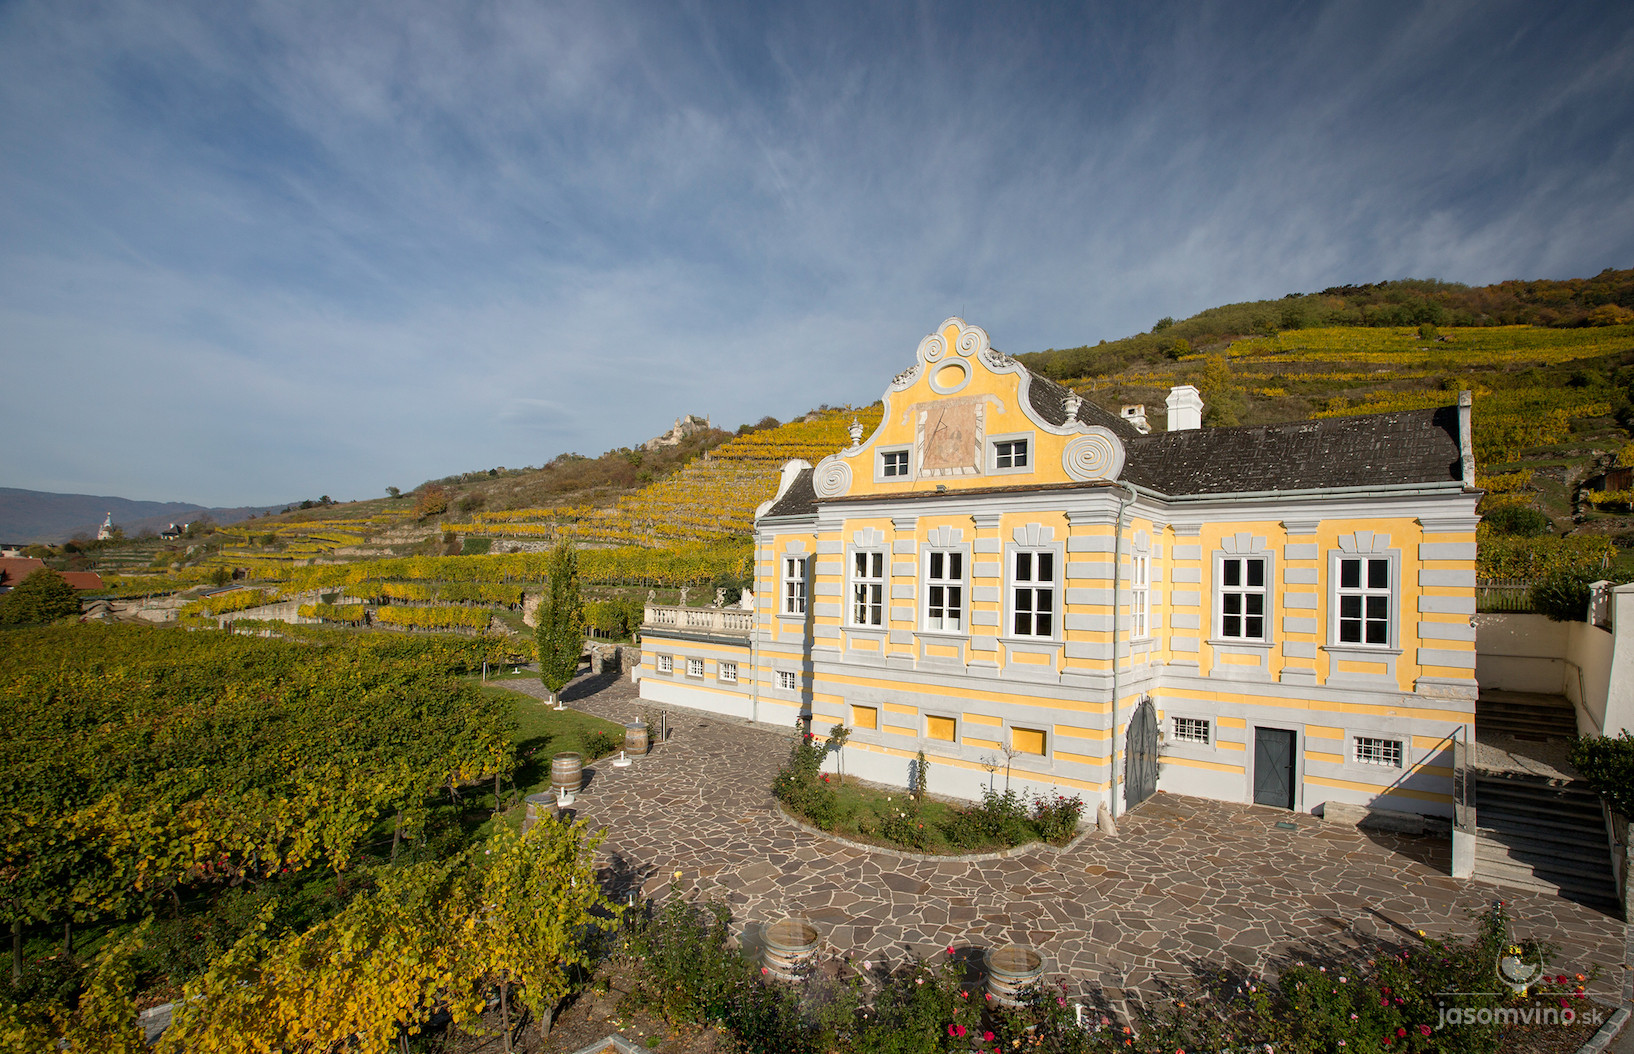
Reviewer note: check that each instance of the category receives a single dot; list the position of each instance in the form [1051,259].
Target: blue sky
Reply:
[258,252]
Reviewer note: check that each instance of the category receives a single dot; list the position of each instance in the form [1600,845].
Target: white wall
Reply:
[1530,653]
[1520,653]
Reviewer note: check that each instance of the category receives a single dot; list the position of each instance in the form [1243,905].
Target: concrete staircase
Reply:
[1525,715]
[1538,826]
[1543,835]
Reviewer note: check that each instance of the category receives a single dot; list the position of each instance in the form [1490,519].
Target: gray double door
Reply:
[1274,775]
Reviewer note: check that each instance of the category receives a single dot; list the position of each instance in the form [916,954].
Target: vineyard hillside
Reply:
[712,500]
[1551,366]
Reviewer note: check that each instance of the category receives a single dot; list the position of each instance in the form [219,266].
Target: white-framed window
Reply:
[786,680]
[1140,596]
[867,587]
[727,671]
[1032,593]
[893,464]
[1375,750]
[1010,454]
[695,667]
[944,591]
[794,585]
[1241,599]
[1191,730]
[1365,599]
[666,664]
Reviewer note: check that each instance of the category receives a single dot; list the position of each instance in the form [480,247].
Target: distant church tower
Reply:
[106,530]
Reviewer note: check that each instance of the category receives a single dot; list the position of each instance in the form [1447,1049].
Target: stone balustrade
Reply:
[731,622]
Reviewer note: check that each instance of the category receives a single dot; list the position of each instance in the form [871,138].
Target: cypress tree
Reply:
[560,633]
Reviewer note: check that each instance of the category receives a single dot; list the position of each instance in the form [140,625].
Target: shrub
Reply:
[1516,521]
[432,500]
[1608,764]
[1563,596]
[44,596]
[1056,817]
[799,784]
[901,825]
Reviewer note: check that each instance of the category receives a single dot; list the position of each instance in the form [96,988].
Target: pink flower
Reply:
[987,1037]
[1424,1030]
[763,971]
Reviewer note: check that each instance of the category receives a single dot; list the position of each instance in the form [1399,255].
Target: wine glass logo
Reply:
[1518,969]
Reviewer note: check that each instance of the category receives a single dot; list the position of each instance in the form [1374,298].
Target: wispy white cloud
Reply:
[323,249]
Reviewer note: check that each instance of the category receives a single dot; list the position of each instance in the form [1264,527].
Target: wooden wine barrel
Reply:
[635,738]
[540,807]
[1012,971]
[566,773]
[789,949]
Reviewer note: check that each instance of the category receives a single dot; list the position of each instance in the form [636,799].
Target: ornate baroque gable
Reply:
[966,416]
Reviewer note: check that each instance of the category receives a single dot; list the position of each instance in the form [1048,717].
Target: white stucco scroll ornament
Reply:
[831,478]
[1097,454]
[970,342]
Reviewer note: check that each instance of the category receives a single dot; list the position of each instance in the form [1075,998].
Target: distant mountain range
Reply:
[28,517]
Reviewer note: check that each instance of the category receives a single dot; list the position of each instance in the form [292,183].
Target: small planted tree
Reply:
[837,738]
[560,634]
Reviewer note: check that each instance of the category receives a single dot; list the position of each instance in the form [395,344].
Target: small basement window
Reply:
[786,681]
[666,664]
[695,667]
[1191,730]
[728,672]
[1373,751]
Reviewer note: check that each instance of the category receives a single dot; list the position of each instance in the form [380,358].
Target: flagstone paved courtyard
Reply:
[1188,886]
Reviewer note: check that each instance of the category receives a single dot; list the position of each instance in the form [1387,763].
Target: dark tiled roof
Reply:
[1050,401]
[1411,446]
[799,500]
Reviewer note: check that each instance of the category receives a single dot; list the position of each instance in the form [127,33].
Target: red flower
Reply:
[987,1037]
[1401,1031]
[1424,1030]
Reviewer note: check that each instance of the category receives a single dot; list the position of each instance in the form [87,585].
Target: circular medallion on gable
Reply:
[950,377]
[831,478]
[1097,454]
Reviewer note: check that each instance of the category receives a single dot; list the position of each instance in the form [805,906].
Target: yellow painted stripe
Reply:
[1375,789]
[1420,712]
[1212,766]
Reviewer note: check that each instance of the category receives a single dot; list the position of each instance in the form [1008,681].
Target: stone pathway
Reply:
[1189,886]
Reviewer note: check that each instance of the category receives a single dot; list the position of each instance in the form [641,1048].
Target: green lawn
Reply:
[543,732]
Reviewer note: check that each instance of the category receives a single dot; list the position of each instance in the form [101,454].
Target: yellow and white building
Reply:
[1006,576]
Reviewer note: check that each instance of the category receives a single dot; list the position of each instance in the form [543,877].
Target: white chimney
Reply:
[1185,408]
[1136,415]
